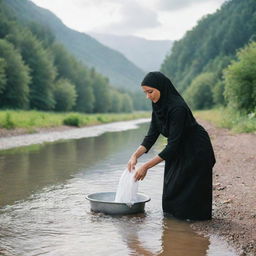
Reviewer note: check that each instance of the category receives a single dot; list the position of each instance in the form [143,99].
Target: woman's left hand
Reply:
[141,173]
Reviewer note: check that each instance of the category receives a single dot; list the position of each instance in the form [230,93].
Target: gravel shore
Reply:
[234,190]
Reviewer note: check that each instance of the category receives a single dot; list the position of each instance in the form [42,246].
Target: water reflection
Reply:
[29,171]
[176,239]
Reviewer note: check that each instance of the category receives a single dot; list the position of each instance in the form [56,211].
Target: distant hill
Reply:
[121,72]
[212,43]
[146,54]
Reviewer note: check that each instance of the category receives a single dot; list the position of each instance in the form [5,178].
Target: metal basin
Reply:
[105,202]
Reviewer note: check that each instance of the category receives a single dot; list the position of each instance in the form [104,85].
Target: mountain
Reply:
[212,43]
[146,54]
[121,72]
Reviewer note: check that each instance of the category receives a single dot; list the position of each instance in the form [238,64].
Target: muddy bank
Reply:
[234,190]
[19,137]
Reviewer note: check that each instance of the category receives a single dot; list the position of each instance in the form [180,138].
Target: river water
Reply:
[43,210]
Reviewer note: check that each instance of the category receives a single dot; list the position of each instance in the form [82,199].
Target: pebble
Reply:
[227,201]
[221,188]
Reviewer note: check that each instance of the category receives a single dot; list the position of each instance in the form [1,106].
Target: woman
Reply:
[188,155]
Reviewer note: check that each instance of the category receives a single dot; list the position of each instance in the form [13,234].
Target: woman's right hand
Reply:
[131,163]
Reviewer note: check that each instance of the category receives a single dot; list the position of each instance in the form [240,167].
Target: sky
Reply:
[150,19]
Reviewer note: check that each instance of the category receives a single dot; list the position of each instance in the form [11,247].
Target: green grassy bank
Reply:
[11,119]
[227,118]
[30,120]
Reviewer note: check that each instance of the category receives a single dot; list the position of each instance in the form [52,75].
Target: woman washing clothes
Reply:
[188,155]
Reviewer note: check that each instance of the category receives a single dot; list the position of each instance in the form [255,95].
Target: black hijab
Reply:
[169,96]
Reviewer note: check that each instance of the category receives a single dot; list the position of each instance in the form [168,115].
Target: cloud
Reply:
[133,18]
[172,5]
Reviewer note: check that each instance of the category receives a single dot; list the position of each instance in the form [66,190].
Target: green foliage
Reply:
[139,101]
[116,104]
[127,104]
[110,63]
[218,93]
[2,74]
[103,119]
[240,80]
[14,91]
[72,120]
[43,33]
[33,119]
[44,63]
[102,95]
[65,95]
[8,122]
[199,94]
[210,45]
[229,118]
[43,72]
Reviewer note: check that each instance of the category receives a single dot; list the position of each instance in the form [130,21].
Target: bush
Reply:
[103,119]
[199,94]
[240,80]
[65,95]
[72,120]
[218,94]
[8,123]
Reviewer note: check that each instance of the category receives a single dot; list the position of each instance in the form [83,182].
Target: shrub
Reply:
[8,123]
[199,94]
[240,80]
[72,120]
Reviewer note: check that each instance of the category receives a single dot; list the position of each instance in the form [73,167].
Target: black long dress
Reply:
[188,155]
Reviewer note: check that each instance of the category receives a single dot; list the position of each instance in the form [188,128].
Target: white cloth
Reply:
[127,188]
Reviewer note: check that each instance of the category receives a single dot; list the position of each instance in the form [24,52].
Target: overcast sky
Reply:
[151,19]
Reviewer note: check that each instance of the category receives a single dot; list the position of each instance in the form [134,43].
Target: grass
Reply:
[227,118]
[11,119]
[30,120]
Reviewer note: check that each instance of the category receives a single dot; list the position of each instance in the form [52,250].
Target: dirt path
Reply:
[234,189]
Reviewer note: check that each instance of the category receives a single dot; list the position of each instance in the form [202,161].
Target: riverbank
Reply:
[30,121]
[20,137]
[234,190]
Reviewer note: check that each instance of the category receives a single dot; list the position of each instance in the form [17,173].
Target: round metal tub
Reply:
[105,202]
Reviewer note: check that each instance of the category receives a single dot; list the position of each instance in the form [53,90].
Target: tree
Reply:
[43,33]
[116,105]
[199,94]
[2,75]
[127,103]
[14,91]
[43,72]
[102,95]
[240,80]
[85,98]
[211,44]
[65,95]
[218,93]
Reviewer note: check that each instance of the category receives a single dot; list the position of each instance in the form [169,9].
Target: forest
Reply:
[39,73]
[214,64]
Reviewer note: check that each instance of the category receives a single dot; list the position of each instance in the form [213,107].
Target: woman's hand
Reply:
[132,162]
[141,172]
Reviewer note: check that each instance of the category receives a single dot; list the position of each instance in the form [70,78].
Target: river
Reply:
[43,210]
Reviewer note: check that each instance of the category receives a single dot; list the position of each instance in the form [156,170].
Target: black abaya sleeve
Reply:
[176,123]
[152,135]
